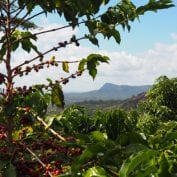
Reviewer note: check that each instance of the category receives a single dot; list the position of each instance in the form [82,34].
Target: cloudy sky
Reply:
[148,51]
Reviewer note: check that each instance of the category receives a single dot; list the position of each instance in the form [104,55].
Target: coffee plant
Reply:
[33,143]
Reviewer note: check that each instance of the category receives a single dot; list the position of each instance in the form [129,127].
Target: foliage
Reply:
[158,159]
[80,147]
[74,120]
[114,123]
[162,99]
[148,124]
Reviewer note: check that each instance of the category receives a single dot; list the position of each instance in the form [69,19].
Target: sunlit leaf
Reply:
[133,161]
[96,172]
[82,64]
[65,67]
[57,96]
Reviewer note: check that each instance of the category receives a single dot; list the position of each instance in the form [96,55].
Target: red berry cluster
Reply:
[33,168]
[35,67]
[54,168]
[72,76]
[48,152]
[74,151]
[23,90]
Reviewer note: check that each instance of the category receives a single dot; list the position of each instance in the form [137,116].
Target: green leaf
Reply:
[98,57]
[132,148]
[15,46]
[146,172]
[2,52]
[3,164]
[164,166]
[49,80]
[24,39]
[96,172]
[49,120]
[116,36]
[87,154]
[10,171]
[82,65]
[26,45]
[110,154]
[92,70]
[65,67]
[93,60]
[135,160]
[98,136]
[57,96]
[92,39]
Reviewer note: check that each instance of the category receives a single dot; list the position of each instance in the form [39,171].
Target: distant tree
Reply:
[162,99]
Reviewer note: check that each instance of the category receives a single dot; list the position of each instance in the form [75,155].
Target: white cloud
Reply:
[143,68]
[174,36]
[124,68]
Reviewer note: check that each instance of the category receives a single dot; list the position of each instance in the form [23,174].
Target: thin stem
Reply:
[42,54]
[3,9]
[9,84]
[48,128]
[12,3]
[20,10]
[3,6]
[41,65]
[38,159]
[71,76]
[2,24]
[54,29]
[42,12]
[59,28]
[8,53]
[21,22]
[46,31]
[76,61]
[51,30]
[3,19]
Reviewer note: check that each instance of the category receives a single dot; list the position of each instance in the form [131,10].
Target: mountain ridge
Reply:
[108,91]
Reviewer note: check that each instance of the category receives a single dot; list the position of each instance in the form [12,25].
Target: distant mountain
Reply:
[107,92]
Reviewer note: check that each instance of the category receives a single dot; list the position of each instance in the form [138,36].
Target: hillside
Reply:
[128,103]
[107,92]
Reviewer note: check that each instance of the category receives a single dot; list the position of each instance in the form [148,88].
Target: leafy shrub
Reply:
[148,124]
[116,122]
[162,99]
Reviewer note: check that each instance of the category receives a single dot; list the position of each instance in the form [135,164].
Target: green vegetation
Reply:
[121,143]
[73,143]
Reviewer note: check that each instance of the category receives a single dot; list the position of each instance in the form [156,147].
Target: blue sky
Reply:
[152,28]
[146,52]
